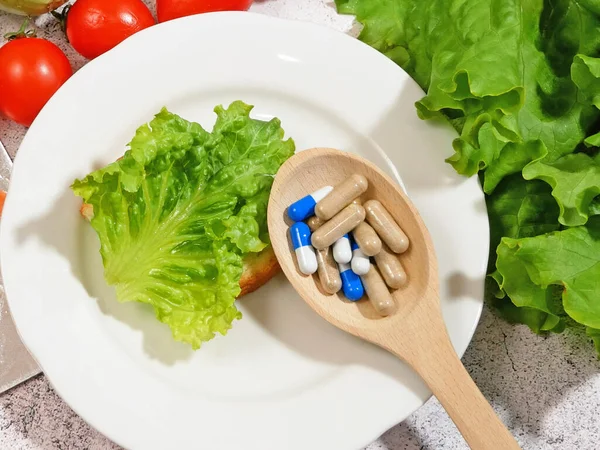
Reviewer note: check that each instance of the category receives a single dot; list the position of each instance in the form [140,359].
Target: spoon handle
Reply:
[435,360]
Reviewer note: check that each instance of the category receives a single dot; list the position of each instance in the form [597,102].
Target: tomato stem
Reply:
[22,32]
[61,16]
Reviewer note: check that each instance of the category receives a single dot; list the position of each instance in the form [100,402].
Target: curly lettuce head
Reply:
[178,212]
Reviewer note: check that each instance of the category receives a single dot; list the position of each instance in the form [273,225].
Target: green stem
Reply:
[22,32]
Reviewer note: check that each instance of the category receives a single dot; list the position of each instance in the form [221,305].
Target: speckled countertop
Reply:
[546,389]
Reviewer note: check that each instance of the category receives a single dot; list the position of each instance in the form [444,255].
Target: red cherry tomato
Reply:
[31,71]
[2,200]
[95,26]
[172,9]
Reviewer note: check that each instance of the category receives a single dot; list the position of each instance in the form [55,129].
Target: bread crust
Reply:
[258,268]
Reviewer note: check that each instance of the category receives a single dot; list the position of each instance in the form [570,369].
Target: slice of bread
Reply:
[259,268]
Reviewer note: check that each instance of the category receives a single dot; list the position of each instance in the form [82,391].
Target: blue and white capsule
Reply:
[342,252]
[351,283]
[305,253]
[360,262]
[305,207]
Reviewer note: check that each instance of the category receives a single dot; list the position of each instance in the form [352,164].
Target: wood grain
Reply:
[416,332]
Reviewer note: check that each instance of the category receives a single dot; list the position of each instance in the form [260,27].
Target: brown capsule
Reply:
[367,239]
[343,222]
[314,223]
[342,195]
[391,268]
[329,275]
[378,293]
[386,227]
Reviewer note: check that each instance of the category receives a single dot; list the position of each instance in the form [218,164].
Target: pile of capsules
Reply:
[335,235]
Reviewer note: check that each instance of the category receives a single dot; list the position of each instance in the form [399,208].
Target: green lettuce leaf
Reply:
[178,212]
[520,209]
[477,59]
[575,181]
[594,209]
[575,178]
[543,307]
[538,321]
[568,260]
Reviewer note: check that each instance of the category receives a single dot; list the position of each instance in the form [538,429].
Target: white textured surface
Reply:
[546,389]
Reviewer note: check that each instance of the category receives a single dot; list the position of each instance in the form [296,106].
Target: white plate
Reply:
[282,378]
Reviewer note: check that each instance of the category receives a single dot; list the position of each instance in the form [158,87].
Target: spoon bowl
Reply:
[415,332]
[312,169]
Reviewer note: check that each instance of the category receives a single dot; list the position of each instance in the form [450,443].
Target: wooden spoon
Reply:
[416,332]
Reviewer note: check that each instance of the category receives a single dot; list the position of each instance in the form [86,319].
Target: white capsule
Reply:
[305,253]
[307,260]
[305,207]
[360,262]
[342,253]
